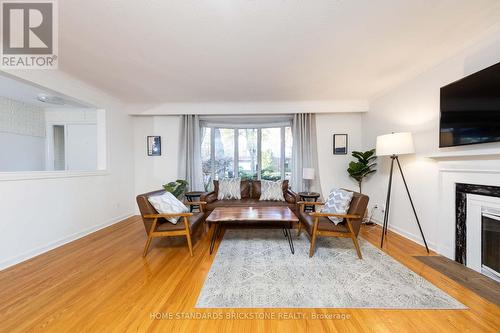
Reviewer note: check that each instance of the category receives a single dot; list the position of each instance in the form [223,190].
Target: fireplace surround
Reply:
[461,191]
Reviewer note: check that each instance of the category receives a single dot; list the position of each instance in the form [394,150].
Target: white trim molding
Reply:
[12,176]
[411,236]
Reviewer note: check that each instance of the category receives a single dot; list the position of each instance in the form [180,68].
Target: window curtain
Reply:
[304,151]
[190,152]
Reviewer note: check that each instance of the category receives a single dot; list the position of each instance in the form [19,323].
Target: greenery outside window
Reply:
[249,153]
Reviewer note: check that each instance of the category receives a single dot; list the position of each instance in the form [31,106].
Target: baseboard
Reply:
[40,250]
[415,238]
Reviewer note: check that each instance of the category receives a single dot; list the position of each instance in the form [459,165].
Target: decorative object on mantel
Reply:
[393,145]
[363,167]
[340,144]
[154,145]
[177,188]
[308,176]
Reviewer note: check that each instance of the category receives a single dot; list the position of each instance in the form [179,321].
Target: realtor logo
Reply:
[29,34]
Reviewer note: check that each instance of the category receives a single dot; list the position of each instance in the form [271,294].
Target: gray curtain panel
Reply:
[190,152]
[305,151]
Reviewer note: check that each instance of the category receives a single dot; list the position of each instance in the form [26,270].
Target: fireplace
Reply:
[490,243]
[478,228]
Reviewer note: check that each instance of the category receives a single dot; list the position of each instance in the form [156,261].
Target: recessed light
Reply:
[44,98]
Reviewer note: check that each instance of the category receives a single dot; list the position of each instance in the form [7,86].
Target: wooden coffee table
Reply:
[282,217]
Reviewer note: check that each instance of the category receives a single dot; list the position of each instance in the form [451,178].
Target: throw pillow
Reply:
[338,203]
[229,188]
[167,203]
[271,191]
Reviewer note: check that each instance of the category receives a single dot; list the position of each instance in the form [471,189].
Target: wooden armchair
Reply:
[156,224]
[317,223]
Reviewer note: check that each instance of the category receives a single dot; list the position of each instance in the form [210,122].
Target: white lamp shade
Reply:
[395,144]
[308,173]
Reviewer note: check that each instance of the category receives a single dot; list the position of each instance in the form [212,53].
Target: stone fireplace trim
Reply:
[461,191]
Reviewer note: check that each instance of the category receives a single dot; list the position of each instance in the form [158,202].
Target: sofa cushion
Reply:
[167,203]
[337,203]
[244,188]
[271,191]
[256,188]
[229,188]
[248,203]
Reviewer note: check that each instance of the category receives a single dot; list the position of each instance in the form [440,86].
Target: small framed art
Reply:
[340,144]
[154,145]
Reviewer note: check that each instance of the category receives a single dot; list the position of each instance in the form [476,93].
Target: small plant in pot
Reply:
[177,188]
[363,167]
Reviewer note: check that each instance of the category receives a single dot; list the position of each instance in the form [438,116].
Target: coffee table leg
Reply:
[288,235]
[215,234]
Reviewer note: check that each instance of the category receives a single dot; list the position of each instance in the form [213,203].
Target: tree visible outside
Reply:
[248,161]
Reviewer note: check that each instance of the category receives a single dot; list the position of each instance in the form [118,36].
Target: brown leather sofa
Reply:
[250,194]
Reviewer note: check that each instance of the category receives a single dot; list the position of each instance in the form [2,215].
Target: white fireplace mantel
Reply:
[449,174]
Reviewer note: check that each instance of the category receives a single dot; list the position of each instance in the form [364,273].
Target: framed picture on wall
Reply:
[154,145]
[340,144]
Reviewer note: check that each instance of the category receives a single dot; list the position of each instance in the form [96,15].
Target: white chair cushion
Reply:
[229,188]
[167,203]
[271,191]
[338,202]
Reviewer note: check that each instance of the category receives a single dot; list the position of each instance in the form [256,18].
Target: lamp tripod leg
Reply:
[412,206]
[387,204]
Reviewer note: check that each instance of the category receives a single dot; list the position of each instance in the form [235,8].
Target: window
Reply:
[249,153]
[206,155]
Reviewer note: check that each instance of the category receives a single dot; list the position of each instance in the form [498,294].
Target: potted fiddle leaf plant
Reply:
[363,166]
[177,188]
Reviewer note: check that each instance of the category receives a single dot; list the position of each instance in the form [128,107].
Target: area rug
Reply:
[255,269]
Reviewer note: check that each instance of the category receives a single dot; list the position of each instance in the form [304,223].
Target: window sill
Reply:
[27,175]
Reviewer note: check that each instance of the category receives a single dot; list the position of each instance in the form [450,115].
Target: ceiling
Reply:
[27,92]
[158,51]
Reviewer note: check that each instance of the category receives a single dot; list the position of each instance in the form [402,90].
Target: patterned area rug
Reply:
[255,269]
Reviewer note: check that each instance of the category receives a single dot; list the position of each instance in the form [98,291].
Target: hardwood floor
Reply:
[468,278]
[101,283]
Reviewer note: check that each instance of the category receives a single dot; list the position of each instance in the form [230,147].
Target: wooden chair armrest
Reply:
[156,216]
[310,203]
[345,216]
[195,203]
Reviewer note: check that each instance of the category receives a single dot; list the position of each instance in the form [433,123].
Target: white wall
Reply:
[333,168]
[414,106]
[21,152]
[58,210]
[22,136]
[153,171]
[80,135]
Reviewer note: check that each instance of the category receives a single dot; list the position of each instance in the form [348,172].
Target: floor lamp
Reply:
[393,145]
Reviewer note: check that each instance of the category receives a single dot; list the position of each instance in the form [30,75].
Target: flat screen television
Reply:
[470,109]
